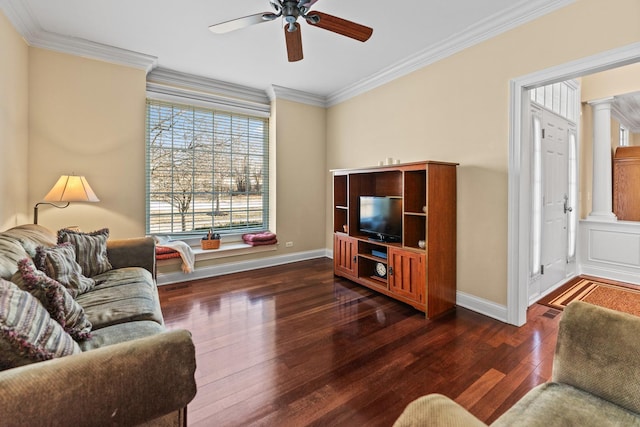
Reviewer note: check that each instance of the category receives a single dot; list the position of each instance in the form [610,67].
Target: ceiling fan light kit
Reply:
[290,11]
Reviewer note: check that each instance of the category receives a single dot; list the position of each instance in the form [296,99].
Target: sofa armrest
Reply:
[598,351]
[123,384]
[436,410]
[135,252]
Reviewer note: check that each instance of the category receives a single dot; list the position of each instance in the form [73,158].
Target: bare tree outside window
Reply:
[205,169]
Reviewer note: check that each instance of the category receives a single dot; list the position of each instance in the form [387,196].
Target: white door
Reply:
[554,192]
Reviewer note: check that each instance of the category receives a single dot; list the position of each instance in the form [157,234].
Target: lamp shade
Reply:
[71,188]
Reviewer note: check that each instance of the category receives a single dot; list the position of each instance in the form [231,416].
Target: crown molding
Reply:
[516,15]
[24,22]
[92,50]
[20,17]
[280,92]
[169,77]
[519,13]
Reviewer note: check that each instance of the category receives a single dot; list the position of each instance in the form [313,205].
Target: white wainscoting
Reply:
[610,249]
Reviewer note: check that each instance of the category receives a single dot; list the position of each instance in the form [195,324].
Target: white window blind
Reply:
[205,169]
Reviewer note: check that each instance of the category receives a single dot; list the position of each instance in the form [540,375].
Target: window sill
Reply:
[226,250]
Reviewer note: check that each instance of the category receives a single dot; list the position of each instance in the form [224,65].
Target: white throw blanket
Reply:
[188,258]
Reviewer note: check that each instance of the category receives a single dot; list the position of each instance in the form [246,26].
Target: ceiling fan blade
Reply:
[307,4]
[340,26]
[294,43]
[236,24]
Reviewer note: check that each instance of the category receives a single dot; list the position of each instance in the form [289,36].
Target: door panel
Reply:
[555,199]
[344,256]
[406,274]
[555,175]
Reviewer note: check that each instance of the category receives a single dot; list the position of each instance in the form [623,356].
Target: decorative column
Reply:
[602,199]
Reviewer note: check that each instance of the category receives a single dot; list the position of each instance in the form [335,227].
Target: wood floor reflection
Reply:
[294,346]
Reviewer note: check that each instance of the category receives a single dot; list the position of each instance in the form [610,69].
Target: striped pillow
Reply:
[59,262]
[54,297]
[91,249]
[27,332]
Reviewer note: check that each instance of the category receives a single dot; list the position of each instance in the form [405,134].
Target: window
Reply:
[561,98]
[624,136]
[205,169]
[572,198]
[536,197]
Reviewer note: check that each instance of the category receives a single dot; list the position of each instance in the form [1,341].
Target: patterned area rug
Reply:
[621,298]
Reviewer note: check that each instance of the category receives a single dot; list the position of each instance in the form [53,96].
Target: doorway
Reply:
[519,215]
[554,195]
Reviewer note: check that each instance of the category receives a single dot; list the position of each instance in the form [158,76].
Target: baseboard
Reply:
[610,273]
[482,306]
[237,267]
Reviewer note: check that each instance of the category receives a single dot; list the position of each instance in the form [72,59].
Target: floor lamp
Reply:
[69,188]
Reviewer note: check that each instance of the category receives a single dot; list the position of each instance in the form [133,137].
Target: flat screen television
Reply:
[381,217]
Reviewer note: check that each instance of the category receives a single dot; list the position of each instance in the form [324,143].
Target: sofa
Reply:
[117,364]
[595,379]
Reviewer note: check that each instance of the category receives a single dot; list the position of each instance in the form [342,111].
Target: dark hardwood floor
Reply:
[293,346]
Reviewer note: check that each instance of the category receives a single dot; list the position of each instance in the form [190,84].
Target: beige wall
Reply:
[301,174]
[87,117]
[458,110]
[14,131]
[617,81]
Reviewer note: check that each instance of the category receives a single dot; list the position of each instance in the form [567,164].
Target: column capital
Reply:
[602,101]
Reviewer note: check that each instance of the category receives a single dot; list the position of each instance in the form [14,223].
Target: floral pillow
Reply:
[91,249]
[59,263]
[56,299]
[27,332]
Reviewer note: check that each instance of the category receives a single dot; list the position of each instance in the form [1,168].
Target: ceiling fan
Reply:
[291,10]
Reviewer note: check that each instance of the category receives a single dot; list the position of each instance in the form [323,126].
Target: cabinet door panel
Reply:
[344,255]
[407,274]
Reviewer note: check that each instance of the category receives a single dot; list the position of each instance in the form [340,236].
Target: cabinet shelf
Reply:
[373,258]
[381,281]
[422,214]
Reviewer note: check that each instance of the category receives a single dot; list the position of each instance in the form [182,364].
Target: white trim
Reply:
[280,92]
[165,76]
[161,92]
[610,250]
[482,306]
[21,18]
[24,22]
[518,234]
[610,273]
[518,14]
[237,267]
[92,50]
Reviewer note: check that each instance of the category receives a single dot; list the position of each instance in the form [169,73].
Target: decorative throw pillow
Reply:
[59,262]
[91,249]
[27,332]
[55,298]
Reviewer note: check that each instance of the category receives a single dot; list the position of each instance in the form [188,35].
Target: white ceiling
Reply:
[627,110]
[406,35]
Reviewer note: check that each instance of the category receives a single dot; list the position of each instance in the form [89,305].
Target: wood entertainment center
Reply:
[424,277]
